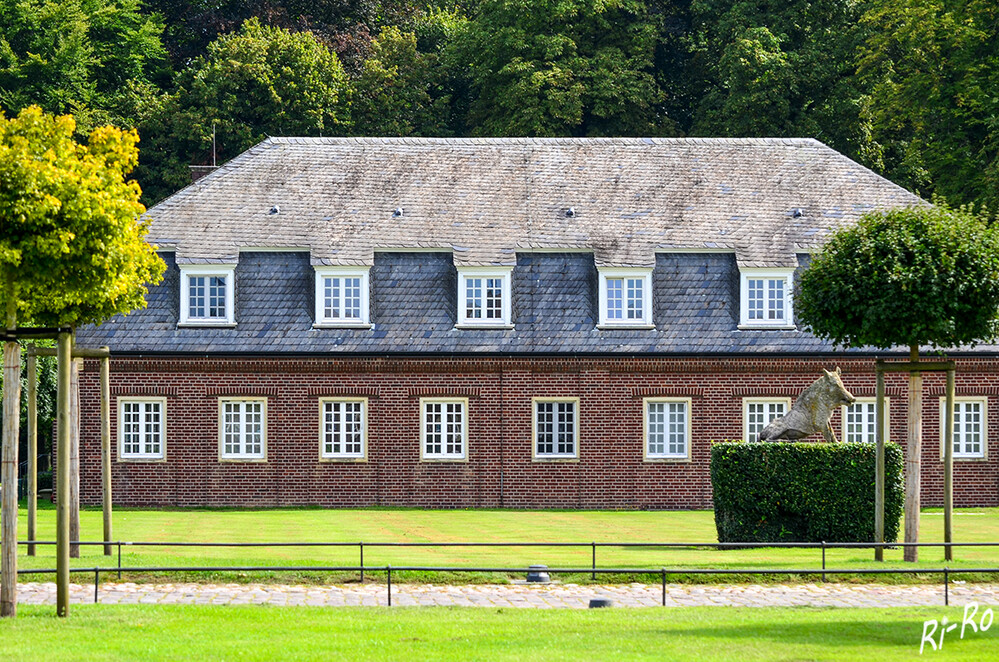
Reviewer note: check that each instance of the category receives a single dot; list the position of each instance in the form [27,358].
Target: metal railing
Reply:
[593,570]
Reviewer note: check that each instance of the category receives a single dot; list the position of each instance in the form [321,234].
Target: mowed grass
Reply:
[118,632]
[437,526]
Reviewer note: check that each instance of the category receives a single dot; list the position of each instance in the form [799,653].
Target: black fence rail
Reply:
[592,546]
[662,572]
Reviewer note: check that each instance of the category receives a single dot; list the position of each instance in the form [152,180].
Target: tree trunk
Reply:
[62,475]
[8,472]
[32,451]
[106,449]
[74,457]
[913,456]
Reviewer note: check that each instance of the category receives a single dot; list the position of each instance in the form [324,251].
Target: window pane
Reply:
[196,292]
[755,298]
[860,422]
[555,428]
[759,415]
[615,298]
[216,297]
[473,298]
[352,298]
[635,298]
[494,298]
[775,297]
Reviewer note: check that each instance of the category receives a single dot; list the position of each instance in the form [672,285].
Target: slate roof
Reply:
[413,306]
[487,199]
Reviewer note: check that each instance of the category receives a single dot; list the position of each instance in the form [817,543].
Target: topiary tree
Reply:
[924,276]
[71,252]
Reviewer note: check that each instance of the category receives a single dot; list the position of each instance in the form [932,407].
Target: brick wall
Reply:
[499,471]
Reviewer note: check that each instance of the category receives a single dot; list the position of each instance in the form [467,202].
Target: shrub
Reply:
[802,492]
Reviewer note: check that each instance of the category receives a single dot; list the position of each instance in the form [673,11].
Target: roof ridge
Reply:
[526,140]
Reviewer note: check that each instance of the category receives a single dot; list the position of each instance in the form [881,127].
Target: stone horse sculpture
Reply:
[811,411]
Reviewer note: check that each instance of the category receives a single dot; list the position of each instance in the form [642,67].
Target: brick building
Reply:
[492,322]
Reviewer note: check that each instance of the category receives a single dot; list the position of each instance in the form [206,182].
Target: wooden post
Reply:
[32,451]
[62,473]
[879,477]
[949,467]
[913,460]
[8,473]
[74,457]
[106,448]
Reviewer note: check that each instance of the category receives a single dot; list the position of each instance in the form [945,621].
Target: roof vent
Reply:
[797,212]
[275,209]
[397,212]
[570,212]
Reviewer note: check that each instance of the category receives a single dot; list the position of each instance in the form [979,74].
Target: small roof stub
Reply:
[487,195]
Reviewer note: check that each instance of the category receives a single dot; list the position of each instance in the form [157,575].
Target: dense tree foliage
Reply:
[914,276]
[77,56]
[909,88]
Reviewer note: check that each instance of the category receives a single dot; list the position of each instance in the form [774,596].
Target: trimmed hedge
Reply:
[802,492]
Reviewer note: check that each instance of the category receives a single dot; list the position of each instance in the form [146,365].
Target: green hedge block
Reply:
[802,492]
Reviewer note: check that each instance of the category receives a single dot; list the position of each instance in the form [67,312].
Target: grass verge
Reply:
[302,633]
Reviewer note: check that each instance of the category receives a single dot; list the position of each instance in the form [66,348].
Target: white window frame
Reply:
[324,322]
[242,456]
[983,402]
[142,455]
[208,271]
[325,454]
[645,321]
[753,401]
[534,429]
[443,456]
[872,402]
[785,274]
[504,275]
[646,429]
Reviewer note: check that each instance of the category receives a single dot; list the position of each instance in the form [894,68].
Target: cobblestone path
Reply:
[571,596]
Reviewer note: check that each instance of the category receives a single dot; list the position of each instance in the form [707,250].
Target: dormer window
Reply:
[206,295]
[342,297]
[766,299]
[484,297]
[626,298]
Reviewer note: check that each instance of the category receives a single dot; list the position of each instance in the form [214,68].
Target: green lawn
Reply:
[388,525]
[95,632]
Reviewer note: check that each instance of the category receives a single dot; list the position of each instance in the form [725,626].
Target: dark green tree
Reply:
[932,67]
[78,56]
[778,69]
[915,277]
[257,82]
[561,68]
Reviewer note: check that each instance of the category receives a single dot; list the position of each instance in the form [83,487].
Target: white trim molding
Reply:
[632,298]
[149,422]
[241,431]
[206,298]
[555,422]
[351,421]
[866,422]
[477,305]
[769,415]
[772,305]
[440,428]
[348,301]
[968,432]
[666,429]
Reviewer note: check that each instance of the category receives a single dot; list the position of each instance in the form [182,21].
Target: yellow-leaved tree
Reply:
[72,252]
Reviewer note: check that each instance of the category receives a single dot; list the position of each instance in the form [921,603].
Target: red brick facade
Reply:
[499,471]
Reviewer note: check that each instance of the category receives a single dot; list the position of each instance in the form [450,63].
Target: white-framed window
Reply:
[625,297]
[667,428]
[207,295]
[343,428]
[243,428]
[970,427]
[443,428]
[859,420]
[766,300]
[141,428]
[484,297]
[758,412]
[556,428]
[342,296]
